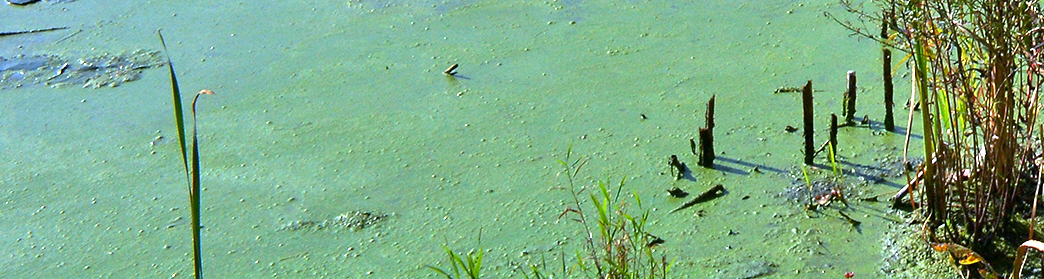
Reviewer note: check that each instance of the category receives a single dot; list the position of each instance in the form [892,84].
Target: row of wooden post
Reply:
[705,153]
[848,108]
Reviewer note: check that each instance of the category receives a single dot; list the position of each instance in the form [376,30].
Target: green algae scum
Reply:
[476,138]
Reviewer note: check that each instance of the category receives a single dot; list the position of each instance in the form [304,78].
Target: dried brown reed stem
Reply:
[1020,256]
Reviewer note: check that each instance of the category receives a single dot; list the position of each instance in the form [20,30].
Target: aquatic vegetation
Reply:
[622,247]
[191,170]
[104,70]
[470,263]
[1020,258]
[966,257]
[976,76]
[351,220]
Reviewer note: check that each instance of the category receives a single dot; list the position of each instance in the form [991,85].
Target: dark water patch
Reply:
[851,180]
[438,7]
[24,63]
[27,2]
[757,269]
[106,70]
[352,220]
[21,2]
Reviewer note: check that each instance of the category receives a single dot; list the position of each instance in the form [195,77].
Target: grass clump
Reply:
[616,243]
[470,264]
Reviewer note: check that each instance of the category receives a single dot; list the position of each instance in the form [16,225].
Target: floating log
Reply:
[710,194]
[889,122]
[850,98]
[806,104]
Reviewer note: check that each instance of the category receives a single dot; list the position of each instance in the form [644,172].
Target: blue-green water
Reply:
[326,107]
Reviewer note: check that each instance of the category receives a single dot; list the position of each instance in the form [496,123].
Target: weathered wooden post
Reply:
[833,134]
[806,104]
[886,72]
[706,154]
[889,122]
[850,98]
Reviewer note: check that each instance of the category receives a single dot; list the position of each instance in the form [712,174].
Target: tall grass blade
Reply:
[179,115]
[193,174]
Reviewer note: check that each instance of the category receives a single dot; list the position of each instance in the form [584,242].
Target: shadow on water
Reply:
[879,126]
[872,174]
[747,165]
[687,173]
[456,76]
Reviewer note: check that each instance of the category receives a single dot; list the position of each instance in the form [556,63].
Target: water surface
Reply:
[327,107]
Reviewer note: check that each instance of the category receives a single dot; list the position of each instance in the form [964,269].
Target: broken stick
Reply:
[9,33]
[714,192]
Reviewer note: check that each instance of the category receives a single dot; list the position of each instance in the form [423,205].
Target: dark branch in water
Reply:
[714,192]
[9,33]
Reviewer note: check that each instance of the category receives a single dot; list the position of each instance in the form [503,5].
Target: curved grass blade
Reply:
[179,115]
[193,174]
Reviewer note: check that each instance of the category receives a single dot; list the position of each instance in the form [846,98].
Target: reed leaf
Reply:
[191,174]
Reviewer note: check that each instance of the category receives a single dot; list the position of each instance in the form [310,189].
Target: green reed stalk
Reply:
[191,174]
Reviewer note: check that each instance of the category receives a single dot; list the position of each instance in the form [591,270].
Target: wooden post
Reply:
[806,104]
[884,25]
[710,113]
[833,134]
[850,98]
[889,122]
[706,156]
[692,145]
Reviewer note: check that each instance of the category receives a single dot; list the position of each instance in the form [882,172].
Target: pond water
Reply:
[331,107]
